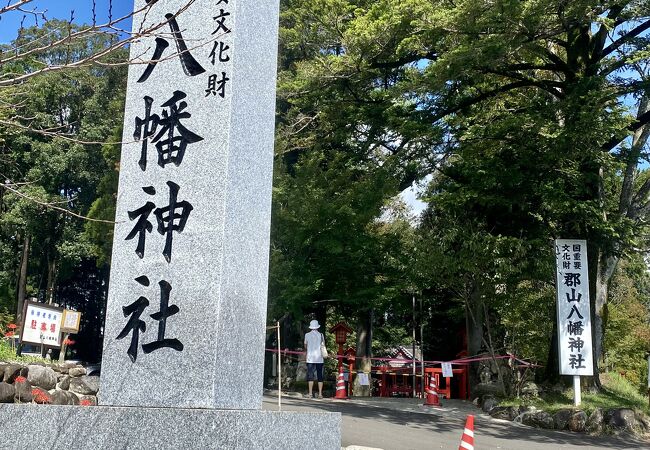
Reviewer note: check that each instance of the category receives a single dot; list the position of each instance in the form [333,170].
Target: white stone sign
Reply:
[573,311]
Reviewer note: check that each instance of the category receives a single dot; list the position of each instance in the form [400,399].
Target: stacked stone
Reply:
[51,384]
[613,420]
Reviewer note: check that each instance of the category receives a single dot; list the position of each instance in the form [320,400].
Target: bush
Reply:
[6,352]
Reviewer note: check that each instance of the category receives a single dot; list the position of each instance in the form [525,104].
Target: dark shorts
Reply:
[314,371]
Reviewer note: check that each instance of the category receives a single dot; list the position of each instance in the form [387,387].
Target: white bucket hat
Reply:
[314,325]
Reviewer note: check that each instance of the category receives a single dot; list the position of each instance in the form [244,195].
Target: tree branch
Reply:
[402,61]
[599,39]
[96,57]
[625,38]
[8,187]
[479,98]
[642,120]
[19,4]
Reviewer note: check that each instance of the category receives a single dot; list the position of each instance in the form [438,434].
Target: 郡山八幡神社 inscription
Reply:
[573,313]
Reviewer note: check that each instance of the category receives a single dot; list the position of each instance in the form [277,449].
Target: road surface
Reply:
[403,424]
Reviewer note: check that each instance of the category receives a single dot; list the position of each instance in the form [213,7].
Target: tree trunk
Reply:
[22,280]
[600,278]
[474,323]
[51,280]
[552,371]
[364,353]
[490,347]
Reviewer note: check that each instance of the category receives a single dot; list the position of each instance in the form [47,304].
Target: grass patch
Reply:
[8,354]
[617,392]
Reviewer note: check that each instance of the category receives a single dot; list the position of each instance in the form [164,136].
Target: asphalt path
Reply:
[404,424]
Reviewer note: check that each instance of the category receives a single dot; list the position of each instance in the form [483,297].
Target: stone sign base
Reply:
[102,427]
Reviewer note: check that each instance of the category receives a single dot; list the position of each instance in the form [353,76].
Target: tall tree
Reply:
[51,179]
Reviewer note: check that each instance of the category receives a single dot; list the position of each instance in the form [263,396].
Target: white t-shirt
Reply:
[312,342]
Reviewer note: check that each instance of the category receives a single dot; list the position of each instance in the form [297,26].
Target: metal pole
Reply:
[421,349]
[279,370]
[576,390]
[414,346]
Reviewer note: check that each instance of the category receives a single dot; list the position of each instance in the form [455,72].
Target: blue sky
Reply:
[61,9]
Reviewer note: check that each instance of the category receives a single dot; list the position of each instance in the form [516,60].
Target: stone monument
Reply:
[186,314]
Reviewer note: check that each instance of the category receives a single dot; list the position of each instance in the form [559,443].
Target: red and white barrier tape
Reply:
[458,362]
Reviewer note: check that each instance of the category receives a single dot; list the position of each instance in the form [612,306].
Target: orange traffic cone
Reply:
[340,387]
[432,393]
[467,440]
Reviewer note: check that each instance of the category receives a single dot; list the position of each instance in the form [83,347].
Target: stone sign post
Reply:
[186,314]
[187,299]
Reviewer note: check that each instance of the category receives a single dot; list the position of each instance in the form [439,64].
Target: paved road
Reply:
[403,424]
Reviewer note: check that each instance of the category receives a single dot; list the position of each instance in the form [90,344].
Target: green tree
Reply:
[533,112]
[53,164]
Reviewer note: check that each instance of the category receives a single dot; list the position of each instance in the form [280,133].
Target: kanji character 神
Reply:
[576,344]
[142,226]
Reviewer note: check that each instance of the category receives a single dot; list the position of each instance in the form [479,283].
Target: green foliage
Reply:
[628,328]
[5,319]
[617,392]
[526,315]
[55,152]
[7,353]
[517,109]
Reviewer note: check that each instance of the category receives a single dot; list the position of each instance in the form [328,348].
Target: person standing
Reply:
[315,361]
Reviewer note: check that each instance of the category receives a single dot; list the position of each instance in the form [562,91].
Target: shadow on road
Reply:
[441,421]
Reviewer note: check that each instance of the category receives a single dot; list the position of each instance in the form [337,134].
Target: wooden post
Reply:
[63,347]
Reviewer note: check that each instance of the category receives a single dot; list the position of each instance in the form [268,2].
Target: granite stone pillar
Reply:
[183,355]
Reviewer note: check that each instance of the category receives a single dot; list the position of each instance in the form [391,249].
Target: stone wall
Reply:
[55,384]
[599,421]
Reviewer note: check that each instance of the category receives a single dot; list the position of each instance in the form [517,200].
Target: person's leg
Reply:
[319,373]
[311,376]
